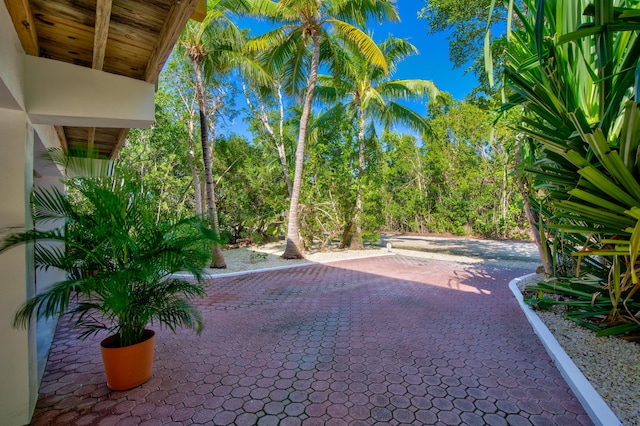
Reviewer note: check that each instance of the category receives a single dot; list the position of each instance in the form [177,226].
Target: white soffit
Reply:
[63,94]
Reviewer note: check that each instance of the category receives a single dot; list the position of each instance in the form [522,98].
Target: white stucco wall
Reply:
[18,353]
[18,358]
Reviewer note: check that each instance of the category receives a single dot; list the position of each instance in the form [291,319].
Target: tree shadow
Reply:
[390,327]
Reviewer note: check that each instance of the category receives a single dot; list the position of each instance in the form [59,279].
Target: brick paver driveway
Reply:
[386,340]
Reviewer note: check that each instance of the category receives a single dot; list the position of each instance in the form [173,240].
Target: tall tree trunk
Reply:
[356,239]
[292,250]
[504,201]
[194,170]
[280,144]
[218,258]
[346,235]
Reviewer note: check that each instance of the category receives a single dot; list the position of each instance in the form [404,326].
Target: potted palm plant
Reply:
[119,261]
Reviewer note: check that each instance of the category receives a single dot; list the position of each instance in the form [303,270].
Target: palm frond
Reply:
[265,41]
[396,50]
[408,89]
[398,113]
[365,45]
[358,11]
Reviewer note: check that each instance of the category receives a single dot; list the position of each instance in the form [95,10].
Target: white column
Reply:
[18,358]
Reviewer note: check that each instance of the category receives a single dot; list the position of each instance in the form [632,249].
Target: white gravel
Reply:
[611,365]
[268,256]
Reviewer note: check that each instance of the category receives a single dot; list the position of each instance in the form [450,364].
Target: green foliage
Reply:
[366,93]
[588,302]
[118,257]
[158,156]
[458,181]
[541,302]
[251,192]
[328,198]
[286,49]
[446,182]
[256,256]
[294,51]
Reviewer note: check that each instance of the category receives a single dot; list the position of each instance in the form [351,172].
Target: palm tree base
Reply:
[218,259]
[356,243]
[292,251]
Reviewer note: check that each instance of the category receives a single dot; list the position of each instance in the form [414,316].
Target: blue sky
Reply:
[431,64]
[433,61]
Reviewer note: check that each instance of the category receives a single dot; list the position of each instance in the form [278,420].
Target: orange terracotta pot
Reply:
[129,366]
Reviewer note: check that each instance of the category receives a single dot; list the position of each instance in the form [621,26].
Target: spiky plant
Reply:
[573,68]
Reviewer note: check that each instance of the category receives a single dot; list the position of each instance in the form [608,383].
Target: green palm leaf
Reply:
[366,46]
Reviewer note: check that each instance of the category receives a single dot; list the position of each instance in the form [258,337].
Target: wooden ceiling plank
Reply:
[20,12]
[123,35]
[79,12]
[176,20]
[65,40]
[103,17]
[142,17]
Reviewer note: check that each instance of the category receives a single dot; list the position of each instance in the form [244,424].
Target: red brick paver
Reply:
[387,340]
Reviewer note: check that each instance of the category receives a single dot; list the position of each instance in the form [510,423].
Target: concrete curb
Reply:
[593,404]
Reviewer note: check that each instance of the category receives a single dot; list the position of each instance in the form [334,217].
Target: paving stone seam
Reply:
[591,401]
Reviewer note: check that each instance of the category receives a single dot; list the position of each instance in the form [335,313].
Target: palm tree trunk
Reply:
[280,145]
[504,201]
[292,250]
[192,165]
[218,258]
[356,239]
[543,249]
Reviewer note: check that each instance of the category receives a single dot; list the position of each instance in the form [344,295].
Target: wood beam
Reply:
[23,22]
[103,17]
[91,138]
[62,137]
[201,11]
[176,20]
[121,137]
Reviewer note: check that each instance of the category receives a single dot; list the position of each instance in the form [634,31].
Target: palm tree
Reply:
[312,22]
[372,96]
[216,46]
